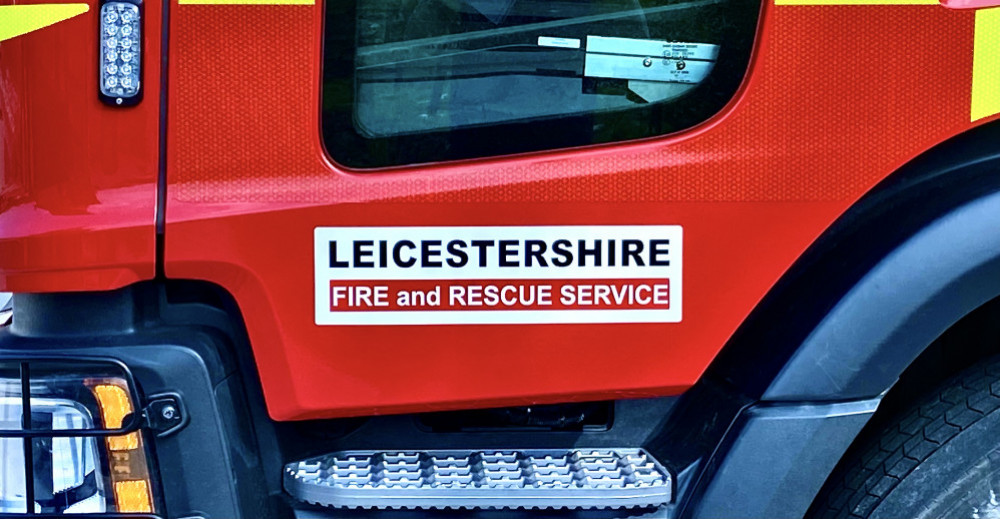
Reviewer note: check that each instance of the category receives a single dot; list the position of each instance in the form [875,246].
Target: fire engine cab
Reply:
[500,258]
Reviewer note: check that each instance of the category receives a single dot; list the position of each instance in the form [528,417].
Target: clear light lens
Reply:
[12,488]
[67,470]
[120,19]
[10,390]
[71,474]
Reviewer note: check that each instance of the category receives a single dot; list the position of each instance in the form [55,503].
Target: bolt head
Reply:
[169,412]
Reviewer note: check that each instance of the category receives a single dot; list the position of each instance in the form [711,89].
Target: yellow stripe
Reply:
[856,2]
[246,2]
[986,64]
[16,20]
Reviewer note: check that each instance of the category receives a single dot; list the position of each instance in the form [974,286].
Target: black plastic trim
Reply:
[160,425]
[209,468]
[907,301]
[776,458]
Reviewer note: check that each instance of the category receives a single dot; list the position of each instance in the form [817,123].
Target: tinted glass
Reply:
[413,81]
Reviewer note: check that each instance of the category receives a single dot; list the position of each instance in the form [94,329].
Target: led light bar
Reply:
[121,52]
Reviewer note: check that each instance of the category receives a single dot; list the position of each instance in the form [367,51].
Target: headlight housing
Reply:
[70,439]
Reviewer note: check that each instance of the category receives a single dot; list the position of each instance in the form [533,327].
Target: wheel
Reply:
[939,458]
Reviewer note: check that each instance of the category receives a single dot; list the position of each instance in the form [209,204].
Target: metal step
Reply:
[536,478]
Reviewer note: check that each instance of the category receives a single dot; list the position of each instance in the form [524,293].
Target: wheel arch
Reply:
[910,259]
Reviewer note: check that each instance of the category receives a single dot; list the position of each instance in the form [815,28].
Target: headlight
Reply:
[70,440]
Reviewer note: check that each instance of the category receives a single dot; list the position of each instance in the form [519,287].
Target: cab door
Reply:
[442,204]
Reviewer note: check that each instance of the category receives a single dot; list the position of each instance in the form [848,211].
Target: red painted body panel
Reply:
[77,178]
[838,97]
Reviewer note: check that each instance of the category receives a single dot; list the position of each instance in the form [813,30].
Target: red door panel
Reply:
[77,178]
[836,99]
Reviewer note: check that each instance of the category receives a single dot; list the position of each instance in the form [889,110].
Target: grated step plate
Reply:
[584,478]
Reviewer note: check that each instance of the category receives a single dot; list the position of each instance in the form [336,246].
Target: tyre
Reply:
[938,458]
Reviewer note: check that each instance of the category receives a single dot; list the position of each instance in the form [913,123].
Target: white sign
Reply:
[498,275]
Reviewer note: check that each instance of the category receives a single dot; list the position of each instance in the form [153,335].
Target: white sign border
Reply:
[674,272]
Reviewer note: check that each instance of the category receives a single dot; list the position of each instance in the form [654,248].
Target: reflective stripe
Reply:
[16,20]
[986,65]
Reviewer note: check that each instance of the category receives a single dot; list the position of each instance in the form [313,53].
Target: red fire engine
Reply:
[501,258]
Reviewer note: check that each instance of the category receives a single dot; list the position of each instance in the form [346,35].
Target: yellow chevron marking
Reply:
[16,20]
[246,2]
[986,64]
